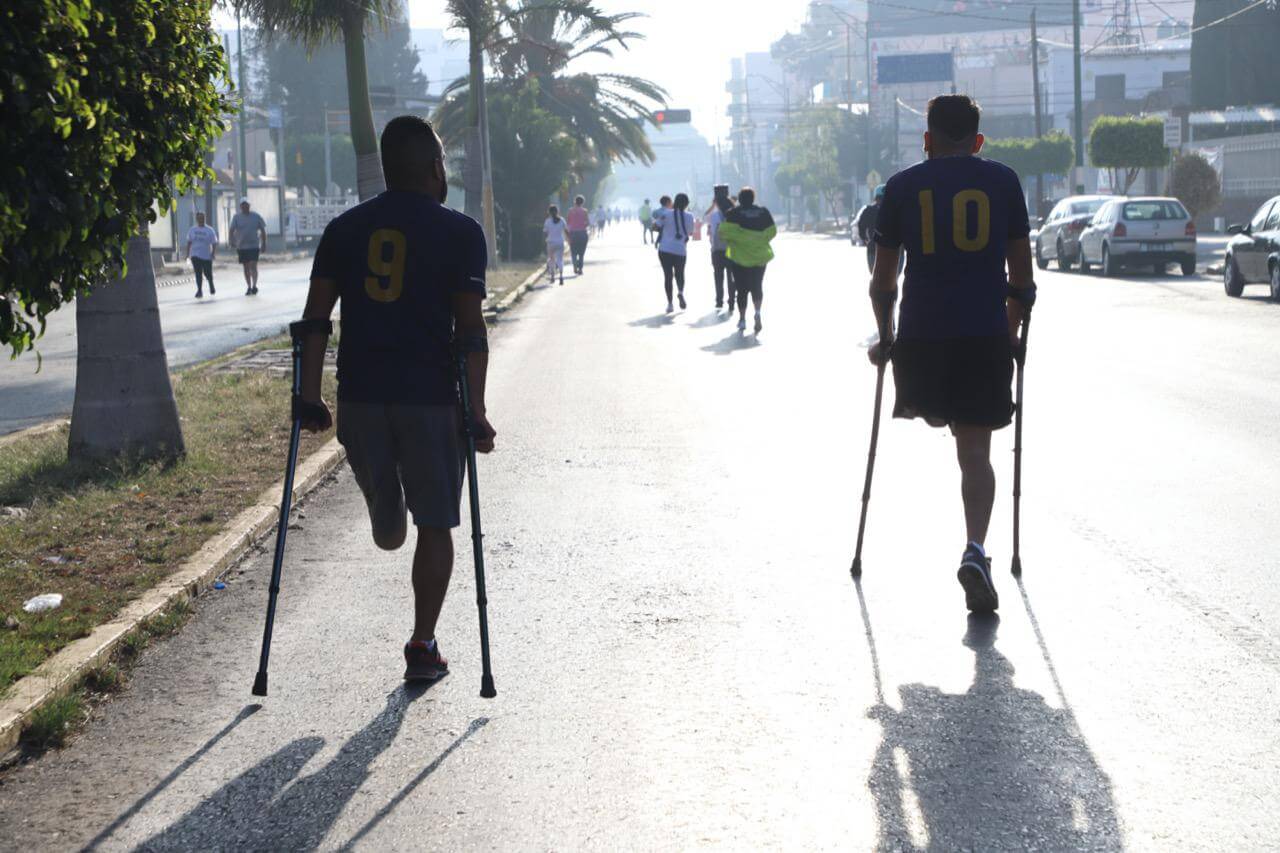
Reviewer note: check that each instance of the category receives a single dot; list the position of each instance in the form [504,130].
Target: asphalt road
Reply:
[36,390]
[681,658]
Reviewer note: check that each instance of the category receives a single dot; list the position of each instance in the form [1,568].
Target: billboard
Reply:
[915,68]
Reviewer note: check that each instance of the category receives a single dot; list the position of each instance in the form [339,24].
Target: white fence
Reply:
[312,214]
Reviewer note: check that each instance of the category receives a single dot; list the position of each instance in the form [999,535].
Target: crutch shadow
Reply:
[247,712]
[993,768]
[266,809]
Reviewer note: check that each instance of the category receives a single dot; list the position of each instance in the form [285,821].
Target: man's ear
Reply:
[928,143]
[977,142]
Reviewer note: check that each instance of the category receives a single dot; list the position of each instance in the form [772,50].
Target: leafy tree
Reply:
[1125,145]
[1235,62]
[318,22]
[532,153]
[1052,154]
[811,155]
[1195,183]
[310,172]
[304,81]
[105,107]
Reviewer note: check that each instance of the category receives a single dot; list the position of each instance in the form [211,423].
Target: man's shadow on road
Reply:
[262,810]
[994,768]
[657,321]
[715,318]
[734,342]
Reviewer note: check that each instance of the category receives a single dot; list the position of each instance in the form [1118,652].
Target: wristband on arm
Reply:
[1025,295]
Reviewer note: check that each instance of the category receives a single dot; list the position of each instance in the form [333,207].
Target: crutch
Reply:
[298,332]
[856,568]
[1020,358]
[487,690]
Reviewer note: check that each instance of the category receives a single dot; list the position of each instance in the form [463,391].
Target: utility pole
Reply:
[328,154]
[897,141]
[1035,87]
[243,164]
[1079,106]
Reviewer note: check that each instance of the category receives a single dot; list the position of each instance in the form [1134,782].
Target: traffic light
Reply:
[672,117]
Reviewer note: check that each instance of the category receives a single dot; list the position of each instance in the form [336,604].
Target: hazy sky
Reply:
[687,47]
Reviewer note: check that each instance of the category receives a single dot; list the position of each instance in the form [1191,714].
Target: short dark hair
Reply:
[682,201]
[579,200]
[665,200]
[954,117]
[410,145]
[746,197]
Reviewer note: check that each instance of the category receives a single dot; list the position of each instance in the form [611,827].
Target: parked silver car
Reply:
[1059,236]
[1144,231]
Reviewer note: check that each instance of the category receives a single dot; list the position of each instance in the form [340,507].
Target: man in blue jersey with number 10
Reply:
[410,276]
[962,221]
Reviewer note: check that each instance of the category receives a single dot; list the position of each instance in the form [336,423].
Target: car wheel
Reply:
[1275,280]
[1189,266]
[1064,262]
[1232,281]
[1041,261]
[1109,267]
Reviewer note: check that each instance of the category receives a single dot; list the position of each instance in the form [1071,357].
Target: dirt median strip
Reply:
[63,672]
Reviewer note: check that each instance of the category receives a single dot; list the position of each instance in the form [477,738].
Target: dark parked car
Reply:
[1253,255]
[1059,236]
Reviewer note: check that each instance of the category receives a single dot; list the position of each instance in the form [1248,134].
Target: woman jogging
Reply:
[674,225]
[579,232]
[747,231]
[719,263]
[555,229]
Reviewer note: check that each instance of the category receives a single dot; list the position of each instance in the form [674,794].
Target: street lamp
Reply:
[850,23]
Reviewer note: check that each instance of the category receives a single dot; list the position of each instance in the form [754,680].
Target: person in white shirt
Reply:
[554,229]
[249,236]
[202,246]
[676,223]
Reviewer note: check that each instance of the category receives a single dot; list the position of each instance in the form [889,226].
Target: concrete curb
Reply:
[62,673]
[517,293]
[38,429]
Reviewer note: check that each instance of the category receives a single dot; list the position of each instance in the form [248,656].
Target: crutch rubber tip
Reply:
[856,568]
[487,690]
[1017,567]
[260,684]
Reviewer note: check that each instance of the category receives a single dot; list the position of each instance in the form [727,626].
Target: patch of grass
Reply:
[54,723]
[102,534]
[104,679]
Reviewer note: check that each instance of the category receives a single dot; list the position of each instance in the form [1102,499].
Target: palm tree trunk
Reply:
[473,172]
[124,405]
[369,179]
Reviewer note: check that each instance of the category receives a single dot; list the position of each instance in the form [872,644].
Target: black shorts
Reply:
[247,255]
[950,381]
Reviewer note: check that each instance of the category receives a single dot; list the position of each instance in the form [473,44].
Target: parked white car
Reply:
[1141,231]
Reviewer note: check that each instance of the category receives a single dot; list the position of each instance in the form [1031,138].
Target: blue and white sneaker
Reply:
[975,576]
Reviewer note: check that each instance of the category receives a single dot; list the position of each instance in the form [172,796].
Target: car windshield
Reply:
[1087,206]
[1147,211]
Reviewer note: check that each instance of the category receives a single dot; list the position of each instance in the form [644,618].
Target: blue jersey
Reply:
[398,260]
[954,216]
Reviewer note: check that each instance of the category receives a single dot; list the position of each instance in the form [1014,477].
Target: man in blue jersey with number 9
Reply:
[962,221]
[410,274]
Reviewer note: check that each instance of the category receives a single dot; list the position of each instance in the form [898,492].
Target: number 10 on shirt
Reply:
[960,206]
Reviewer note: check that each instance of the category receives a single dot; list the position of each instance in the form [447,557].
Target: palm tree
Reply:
[540,39]
[477,17]
[316,22]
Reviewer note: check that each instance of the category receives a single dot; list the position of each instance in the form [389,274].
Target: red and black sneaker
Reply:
[423,661]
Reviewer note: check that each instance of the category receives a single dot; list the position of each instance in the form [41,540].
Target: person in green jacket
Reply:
[646,217]
[747,231]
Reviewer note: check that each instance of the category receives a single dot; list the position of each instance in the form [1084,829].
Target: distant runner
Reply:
[962,220]
[720,266]
[646,219]
[555,229]
[600,220]
[674,225]
[202,248]
[249,236]
[747,232]
[579,226]
[410,274]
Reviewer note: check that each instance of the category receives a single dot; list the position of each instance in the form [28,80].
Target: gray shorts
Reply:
[404,457]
